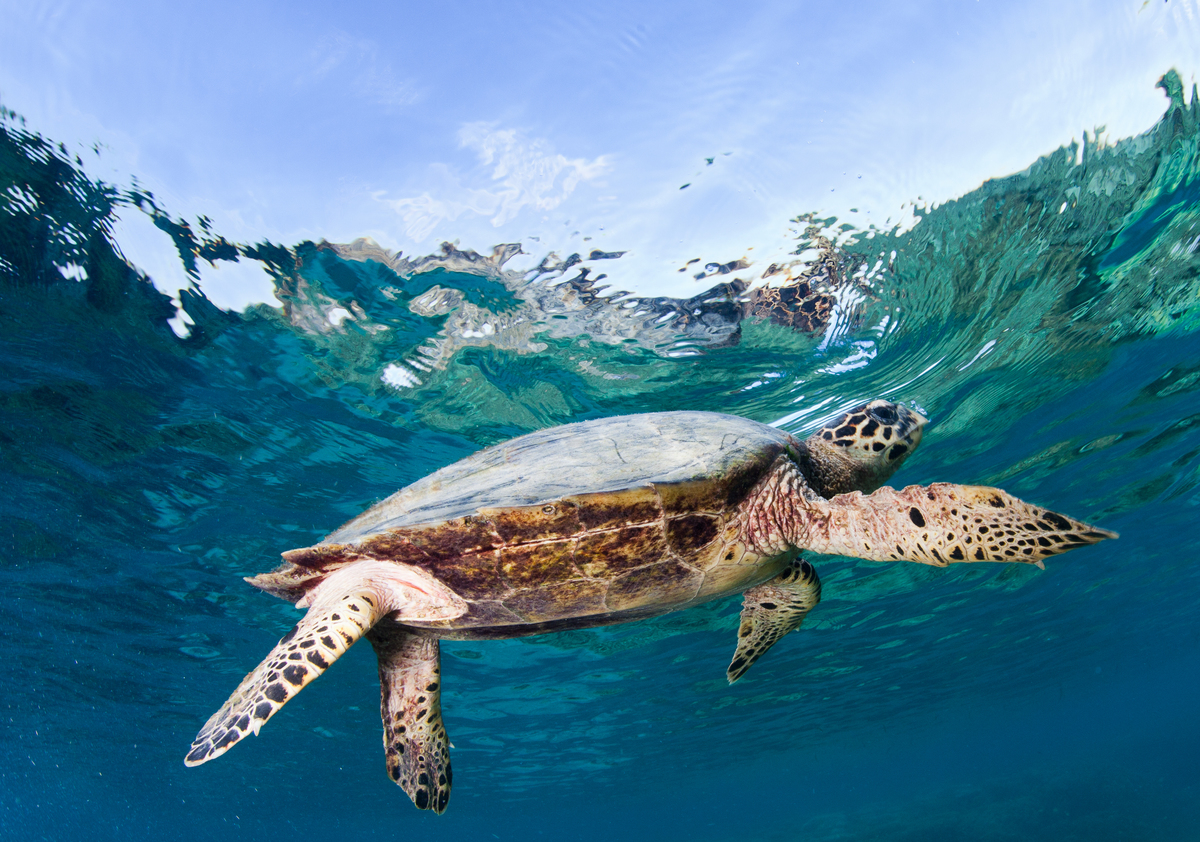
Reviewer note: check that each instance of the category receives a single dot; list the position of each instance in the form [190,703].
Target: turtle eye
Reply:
[548,509]
[884,413]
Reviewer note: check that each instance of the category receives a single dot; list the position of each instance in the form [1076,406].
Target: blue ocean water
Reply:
[1048,323]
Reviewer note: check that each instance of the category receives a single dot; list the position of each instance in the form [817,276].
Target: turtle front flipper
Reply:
[415,744]
[940,524]
[340,611]
[771,610]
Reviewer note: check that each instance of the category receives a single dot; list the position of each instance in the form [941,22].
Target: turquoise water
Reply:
[1048,323]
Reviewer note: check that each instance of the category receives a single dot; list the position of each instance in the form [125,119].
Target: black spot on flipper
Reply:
[318,660]
[443,800]
[979,553]
[431,687]
[276,693]
[770,606]
[328,642]
[1058,521]
[263,710]
[957,554]
[421,798]
[914,514]
[423,779]
[295,674]
[227,739]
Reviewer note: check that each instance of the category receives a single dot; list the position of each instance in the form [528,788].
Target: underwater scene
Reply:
[156,449]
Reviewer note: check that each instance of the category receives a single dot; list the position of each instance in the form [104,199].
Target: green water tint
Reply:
[1057,263]
[1053,348]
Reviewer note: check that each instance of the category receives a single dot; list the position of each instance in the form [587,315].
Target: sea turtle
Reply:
[608,521]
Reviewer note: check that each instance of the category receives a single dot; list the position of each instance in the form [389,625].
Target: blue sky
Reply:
[488,122]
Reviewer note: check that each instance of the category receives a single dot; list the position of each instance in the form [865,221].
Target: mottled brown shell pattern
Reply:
[593,523]
[641,551]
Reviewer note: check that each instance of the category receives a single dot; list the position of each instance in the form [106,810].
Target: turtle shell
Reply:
[585,524]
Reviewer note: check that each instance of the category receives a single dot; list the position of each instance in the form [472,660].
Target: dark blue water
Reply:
[1048,323]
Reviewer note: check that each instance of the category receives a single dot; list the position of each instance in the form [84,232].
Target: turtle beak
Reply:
[913,423]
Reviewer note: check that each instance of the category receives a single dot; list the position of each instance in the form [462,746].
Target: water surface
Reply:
[1047,322]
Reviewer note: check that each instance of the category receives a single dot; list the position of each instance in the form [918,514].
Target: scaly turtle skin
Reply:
[604,522]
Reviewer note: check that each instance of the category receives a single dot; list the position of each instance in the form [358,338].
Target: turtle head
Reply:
[860,449]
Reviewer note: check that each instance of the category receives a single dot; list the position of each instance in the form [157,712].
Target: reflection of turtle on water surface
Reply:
[604,522]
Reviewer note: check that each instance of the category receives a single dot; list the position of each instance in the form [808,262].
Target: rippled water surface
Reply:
[153,452]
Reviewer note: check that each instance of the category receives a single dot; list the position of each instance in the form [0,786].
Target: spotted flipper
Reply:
[943,523]
[415,744]
[771,610]
[303,654]
[341,609]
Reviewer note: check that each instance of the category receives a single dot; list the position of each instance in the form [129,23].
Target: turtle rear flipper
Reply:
[944,523]
[415,744]
[771,610]
[340,611]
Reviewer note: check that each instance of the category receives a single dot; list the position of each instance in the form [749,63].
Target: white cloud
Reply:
[526,172]
[340,55]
